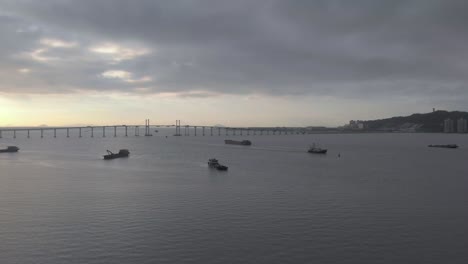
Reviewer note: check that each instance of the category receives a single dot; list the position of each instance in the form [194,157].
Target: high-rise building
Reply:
[449,126]
[356,124]
[462,125]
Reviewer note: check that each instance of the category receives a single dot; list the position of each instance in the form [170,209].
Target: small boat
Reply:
[156,131]
[317,150]
[9,149]
[453,146]
[236,142]
[123,153]
[213,163]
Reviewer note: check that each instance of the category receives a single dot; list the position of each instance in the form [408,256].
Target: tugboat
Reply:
[214,164]
[453,146]
[9,149]
[315,149]
[235,142]
[123,153]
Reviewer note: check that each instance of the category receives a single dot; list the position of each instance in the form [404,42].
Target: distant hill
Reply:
[430,122]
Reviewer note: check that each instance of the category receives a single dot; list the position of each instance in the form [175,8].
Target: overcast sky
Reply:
[243,62]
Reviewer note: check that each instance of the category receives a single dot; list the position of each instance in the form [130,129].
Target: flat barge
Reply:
[236,142]
[9,149]
[451,146]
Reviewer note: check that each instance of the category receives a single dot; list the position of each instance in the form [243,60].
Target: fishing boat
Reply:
[9,149]
[123,153]
[214,164]
[317,150]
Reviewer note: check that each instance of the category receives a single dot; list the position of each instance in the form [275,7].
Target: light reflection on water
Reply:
[387,199]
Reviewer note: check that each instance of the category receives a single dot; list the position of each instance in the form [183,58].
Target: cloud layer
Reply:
[349,49]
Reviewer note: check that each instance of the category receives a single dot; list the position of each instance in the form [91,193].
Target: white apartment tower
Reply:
[449,126]
[461,125]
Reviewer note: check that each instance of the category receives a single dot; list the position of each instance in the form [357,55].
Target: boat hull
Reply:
[10,149]
[222,168]
[235,142]
[322,151]
[451,146]
[115,156]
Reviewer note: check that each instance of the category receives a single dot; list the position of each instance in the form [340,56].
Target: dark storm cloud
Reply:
[338,48]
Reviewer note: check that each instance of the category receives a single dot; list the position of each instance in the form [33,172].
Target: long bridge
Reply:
[134,130]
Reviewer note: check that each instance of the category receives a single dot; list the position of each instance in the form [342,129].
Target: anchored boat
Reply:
[213,163]
[317,150]
[444,146]
[9,149]
[123,153]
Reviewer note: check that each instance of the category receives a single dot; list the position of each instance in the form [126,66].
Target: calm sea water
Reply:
[388,199]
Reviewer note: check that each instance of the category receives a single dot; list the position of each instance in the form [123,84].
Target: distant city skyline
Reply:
[236,63]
